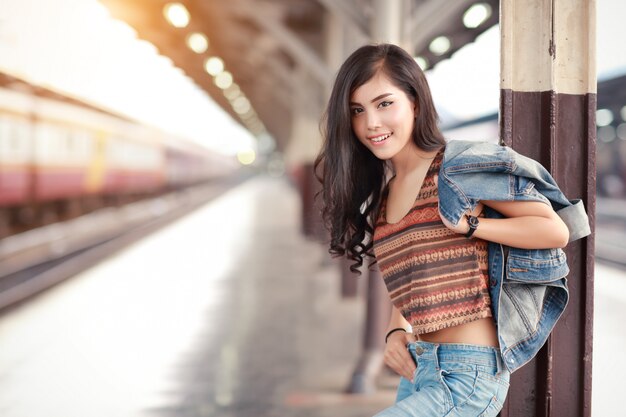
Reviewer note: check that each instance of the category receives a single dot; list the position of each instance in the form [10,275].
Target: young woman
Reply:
[380,169]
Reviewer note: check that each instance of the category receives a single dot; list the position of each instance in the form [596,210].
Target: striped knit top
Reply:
[435,277]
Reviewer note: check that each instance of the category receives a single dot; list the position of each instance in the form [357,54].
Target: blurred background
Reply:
[157,250]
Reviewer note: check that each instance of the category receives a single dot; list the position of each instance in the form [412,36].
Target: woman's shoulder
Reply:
[454,146]
[469,150]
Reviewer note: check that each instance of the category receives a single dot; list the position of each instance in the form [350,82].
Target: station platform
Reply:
[229,312]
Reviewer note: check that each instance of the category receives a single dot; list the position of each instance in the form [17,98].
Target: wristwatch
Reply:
[473,222]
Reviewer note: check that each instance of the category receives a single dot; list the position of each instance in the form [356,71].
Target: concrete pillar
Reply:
[388,22]
[548,103]
[335,34]
[304,145]
[340,42]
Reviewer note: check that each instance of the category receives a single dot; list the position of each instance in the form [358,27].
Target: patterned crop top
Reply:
[435,277]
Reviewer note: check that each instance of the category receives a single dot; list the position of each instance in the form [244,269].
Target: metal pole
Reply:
[548,101]
[377,315]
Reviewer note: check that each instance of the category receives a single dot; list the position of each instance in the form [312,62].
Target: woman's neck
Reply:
[411,159]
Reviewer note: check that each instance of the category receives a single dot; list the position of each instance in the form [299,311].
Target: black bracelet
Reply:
[394,330]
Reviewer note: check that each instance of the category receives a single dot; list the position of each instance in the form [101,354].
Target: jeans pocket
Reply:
[493,408]
[459,385]
[474,392]
[497,387]
[501,378]
[405,389]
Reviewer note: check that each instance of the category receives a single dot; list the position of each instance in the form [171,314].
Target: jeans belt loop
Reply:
[436,353]
[499,363]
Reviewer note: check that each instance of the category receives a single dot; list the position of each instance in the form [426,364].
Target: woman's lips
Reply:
[379,139]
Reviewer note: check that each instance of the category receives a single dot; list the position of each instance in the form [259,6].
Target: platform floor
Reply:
[226,312]
[229,311]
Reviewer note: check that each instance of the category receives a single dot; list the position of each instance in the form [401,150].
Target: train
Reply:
[61,157]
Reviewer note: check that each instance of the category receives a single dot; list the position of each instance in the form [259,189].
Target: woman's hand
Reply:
[397,356]
[463,226]
[525,225]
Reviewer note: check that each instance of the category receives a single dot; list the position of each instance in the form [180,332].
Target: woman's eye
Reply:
[385,103]
[356,110]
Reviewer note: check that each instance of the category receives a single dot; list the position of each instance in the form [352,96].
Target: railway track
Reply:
[39,259]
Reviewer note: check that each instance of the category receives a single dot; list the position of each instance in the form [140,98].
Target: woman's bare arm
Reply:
[396,355]
[527,225]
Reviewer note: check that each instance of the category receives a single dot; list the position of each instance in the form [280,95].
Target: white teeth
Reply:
[380,138]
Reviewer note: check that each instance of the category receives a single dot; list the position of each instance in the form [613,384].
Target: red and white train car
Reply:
[58,155]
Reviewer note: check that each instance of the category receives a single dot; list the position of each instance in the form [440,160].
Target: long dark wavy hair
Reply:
[352,177]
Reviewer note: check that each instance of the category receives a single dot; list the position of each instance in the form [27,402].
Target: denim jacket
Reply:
[528,287]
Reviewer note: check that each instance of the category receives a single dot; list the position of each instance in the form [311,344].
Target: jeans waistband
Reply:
[459,352]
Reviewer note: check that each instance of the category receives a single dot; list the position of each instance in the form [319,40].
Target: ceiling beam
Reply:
[290,42]
[431,18]
[350,15]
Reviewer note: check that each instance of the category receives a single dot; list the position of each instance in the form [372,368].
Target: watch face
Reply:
[473,221]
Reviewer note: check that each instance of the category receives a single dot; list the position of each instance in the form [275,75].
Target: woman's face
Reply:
[382,117]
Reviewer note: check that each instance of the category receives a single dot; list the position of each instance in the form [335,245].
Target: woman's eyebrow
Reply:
[373,100]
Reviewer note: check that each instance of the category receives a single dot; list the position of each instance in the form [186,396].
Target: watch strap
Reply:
[472,222]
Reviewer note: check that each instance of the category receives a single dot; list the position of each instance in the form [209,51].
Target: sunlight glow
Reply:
[246,156]
[176,14]
[224,80]
[76,48]
[214,65]
[422,62]
[197,42]
[604,117]
[476,15]
[439,45]
[241,105]
[232,92]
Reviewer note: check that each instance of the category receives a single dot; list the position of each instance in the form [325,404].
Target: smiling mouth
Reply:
[381,138]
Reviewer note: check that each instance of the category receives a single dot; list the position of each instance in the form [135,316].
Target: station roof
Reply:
[611,93]
[261,42]
[14,83]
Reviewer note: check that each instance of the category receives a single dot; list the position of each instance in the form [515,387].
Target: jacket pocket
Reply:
[534,293]
[536,266]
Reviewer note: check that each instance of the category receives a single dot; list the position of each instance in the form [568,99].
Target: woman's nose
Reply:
[373,122]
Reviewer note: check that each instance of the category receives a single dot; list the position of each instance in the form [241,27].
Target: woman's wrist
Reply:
[392,331]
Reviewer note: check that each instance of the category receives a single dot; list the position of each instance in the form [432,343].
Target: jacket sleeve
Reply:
[493,172]
[572,212]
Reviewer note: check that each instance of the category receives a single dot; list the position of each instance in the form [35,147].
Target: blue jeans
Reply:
[452,380]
